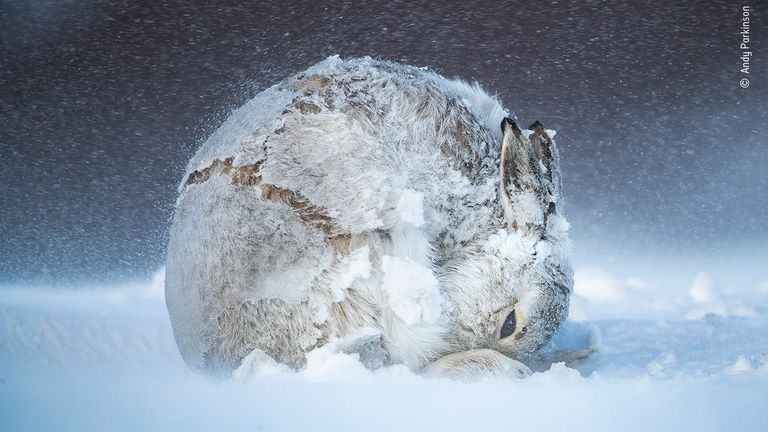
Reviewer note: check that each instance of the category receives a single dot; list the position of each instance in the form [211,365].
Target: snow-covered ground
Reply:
[689,358]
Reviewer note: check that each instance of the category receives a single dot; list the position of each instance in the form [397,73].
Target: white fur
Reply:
[388,218]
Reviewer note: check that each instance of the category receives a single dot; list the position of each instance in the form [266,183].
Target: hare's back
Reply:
[274,197]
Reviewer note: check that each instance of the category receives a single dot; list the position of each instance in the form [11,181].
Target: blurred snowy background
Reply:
[102,103]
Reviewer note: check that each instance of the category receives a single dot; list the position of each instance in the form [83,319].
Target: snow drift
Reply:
[105,359]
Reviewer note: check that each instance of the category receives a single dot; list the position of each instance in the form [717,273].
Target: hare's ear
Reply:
[550,159]
[530,178]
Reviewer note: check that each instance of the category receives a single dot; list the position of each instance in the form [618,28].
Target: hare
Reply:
[376,206]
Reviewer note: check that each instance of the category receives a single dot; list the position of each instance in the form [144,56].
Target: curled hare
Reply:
[376,207]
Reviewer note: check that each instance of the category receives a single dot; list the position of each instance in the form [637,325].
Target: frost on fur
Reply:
[368,196]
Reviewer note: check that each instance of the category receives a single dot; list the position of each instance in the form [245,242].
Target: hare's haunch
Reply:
[375,204]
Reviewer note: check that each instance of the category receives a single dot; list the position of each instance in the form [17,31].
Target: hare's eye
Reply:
[509,326]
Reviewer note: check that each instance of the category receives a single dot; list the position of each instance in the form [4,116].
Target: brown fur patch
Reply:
[306,107]
[310,83]
[341,242]
[217,167]
[249,175]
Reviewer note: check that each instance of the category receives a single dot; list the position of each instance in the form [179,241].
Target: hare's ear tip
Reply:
[508,122]
[535,125]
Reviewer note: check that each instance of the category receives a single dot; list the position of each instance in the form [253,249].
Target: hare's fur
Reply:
[367,196]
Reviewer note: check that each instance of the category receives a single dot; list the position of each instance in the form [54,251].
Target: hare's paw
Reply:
[474,365]
[572,358]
